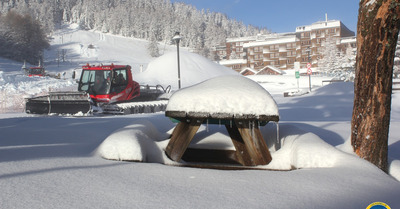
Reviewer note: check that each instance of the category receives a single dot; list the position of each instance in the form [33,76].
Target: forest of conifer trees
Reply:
[155,20]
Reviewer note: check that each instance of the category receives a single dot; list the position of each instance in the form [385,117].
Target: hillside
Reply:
[153,20]
[72,48]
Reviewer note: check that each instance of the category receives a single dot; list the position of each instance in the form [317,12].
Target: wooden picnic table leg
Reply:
[181,138]
[242,154]
[255,145]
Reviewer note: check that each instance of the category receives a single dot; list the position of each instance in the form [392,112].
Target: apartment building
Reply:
[287,50]
[278,50]
[312,37]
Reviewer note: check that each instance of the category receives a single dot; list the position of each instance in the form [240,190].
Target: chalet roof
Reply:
[248,69]
[281,72]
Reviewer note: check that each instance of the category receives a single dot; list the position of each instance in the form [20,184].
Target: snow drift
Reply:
[194,69]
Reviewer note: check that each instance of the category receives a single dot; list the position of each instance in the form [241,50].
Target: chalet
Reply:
[248,71]
[268,70]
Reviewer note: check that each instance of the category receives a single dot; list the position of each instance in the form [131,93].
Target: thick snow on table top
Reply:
[235,95]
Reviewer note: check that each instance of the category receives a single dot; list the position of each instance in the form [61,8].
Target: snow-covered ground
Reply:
[60,161]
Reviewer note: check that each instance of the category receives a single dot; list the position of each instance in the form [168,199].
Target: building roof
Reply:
[247,38]
[352,39]
[248,69]
[281,72]
[233,61]
[319,25]
[280,40]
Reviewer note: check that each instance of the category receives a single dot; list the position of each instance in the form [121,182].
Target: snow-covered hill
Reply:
[72,48]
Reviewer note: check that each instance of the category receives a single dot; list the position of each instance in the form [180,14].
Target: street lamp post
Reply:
[177,38]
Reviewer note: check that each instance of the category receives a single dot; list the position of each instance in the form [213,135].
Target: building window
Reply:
[305,42]
[274,47]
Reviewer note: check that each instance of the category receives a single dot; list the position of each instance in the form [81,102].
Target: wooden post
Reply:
[242,154]
[181,138]
[255,145]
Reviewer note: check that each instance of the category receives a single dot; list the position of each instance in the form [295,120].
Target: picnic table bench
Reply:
[251,149]
[238,103]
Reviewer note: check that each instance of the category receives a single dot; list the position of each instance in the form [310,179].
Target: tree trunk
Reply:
[377,30]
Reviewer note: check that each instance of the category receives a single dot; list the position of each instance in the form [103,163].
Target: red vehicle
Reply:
[101,86]
[109,83]
[35,71]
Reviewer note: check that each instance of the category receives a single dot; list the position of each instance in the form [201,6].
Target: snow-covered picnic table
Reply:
[239,103]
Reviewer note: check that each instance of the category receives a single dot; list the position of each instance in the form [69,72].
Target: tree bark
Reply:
[377,32]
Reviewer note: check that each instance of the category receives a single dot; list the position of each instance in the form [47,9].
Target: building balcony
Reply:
[266,51]
[283,49]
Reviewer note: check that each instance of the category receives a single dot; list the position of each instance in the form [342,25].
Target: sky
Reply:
[282,16]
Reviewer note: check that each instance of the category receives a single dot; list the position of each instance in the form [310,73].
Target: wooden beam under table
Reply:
[181,138]
[252,144]
[242,155]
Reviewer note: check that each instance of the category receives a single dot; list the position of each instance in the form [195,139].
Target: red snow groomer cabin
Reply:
[35,71]
[108,83]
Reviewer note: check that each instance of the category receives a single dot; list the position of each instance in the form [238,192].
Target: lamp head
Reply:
[177,37]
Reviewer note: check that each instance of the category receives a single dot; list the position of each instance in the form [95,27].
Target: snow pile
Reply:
[225,94]
[301,149]
[15,86]
[193,69]
[142,142]
[132,143]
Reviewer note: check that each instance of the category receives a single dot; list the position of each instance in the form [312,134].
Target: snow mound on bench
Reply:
[225,94]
